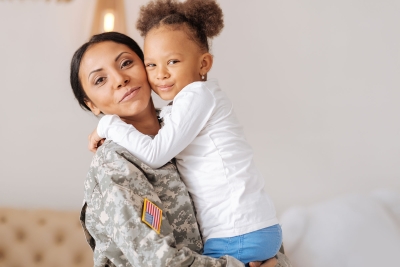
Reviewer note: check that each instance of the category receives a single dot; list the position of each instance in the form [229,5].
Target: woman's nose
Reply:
[121,80]
[123,83]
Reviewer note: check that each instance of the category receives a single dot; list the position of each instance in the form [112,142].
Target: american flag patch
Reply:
[152,215]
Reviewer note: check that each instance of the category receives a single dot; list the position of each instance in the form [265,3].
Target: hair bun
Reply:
[205,14]
[152,13]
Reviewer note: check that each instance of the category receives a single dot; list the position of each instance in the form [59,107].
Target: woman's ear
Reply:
[92,107]
[206,63]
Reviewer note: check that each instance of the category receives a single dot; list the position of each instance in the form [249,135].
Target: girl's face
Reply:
[172,61]
[114,79]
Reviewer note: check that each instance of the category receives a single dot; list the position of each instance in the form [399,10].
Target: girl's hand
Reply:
[95,141]
[268,263]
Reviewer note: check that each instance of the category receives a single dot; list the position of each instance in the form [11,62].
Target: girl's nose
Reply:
[162,74]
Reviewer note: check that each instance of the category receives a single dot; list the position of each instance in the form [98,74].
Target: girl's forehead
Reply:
[164,30]
[167,38]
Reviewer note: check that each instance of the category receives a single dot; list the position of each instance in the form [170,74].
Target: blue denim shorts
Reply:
[259,245]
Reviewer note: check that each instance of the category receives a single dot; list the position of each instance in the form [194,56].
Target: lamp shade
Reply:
[109,16]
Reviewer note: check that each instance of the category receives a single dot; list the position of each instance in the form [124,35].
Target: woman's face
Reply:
[114,79]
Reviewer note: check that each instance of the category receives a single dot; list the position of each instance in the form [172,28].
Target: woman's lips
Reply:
[130,94]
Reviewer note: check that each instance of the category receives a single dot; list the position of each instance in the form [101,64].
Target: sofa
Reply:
[49,238]
[42,238]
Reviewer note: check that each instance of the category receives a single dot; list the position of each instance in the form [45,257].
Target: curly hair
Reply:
[201,19]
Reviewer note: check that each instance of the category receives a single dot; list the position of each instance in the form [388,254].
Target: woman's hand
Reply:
[268,263]
[95,141]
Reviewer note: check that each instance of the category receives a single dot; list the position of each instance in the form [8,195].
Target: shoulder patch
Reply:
[152,215]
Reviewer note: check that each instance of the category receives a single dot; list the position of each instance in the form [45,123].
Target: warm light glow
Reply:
[109,15]
[109,22]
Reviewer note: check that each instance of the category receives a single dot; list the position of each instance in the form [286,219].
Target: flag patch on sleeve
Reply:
[152,215]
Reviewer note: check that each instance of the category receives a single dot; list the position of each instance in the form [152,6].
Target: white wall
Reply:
[314,83]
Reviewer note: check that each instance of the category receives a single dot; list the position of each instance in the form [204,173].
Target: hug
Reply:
[176,186]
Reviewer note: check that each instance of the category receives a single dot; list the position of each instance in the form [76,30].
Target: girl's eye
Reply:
[150,65]
[126,63]
[173,61]
[99,80]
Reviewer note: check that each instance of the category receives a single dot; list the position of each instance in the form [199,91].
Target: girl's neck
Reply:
[146,122]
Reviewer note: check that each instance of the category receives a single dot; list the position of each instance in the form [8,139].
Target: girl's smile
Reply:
[164,88]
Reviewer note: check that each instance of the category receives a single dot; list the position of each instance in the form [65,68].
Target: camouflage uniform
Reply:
[115,188]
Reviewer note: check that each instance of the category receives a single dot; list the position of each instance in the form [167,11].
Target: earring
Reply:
[202,76]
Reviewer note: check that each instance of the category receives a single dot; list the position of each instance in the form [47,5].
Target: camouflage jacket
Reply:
[115,188]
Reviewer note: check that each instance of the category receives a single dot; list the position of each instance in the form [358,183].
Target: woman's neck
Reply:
[146,122]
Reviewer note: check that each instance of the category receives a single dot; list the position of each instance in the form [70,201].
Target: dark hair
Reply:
[115,37]
[203,18]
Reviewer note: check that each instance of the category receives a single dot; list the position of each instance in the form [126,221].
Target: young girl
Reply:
[235,214]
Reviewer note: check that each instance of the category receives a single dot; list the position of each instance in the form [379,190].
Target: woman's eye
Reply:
[126,63]
[172,62]
[99,80]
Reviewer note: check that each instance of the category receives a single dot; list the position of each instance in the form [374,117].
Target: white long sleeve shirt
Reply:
[212,155]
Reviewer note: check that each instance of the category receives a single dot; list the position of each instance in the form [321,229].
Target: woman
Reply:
[108,76]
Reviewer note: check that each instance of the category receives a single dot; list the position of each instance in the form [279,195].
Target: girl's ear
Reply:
[92,107]
[206,63]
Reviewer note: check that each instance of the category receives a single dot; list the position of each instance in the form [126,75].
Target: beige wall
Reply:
[315,84]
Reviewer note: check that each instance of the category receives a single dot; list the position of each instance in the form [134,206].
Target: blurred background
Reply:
[314,83]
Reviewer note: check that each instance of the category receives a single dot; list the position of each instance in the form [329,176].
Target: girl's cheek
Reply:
[151,83]
[151,77]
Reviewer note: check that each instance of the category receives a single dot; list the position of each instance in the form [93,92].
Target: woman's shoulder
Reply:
[111,157]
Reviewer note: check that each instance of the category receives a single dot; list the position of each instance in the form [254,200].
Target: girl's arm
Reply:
[192,108]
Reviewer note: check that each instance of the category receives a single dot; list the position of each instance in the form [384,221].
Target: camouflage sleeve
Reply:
[118,207]
[177,204]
